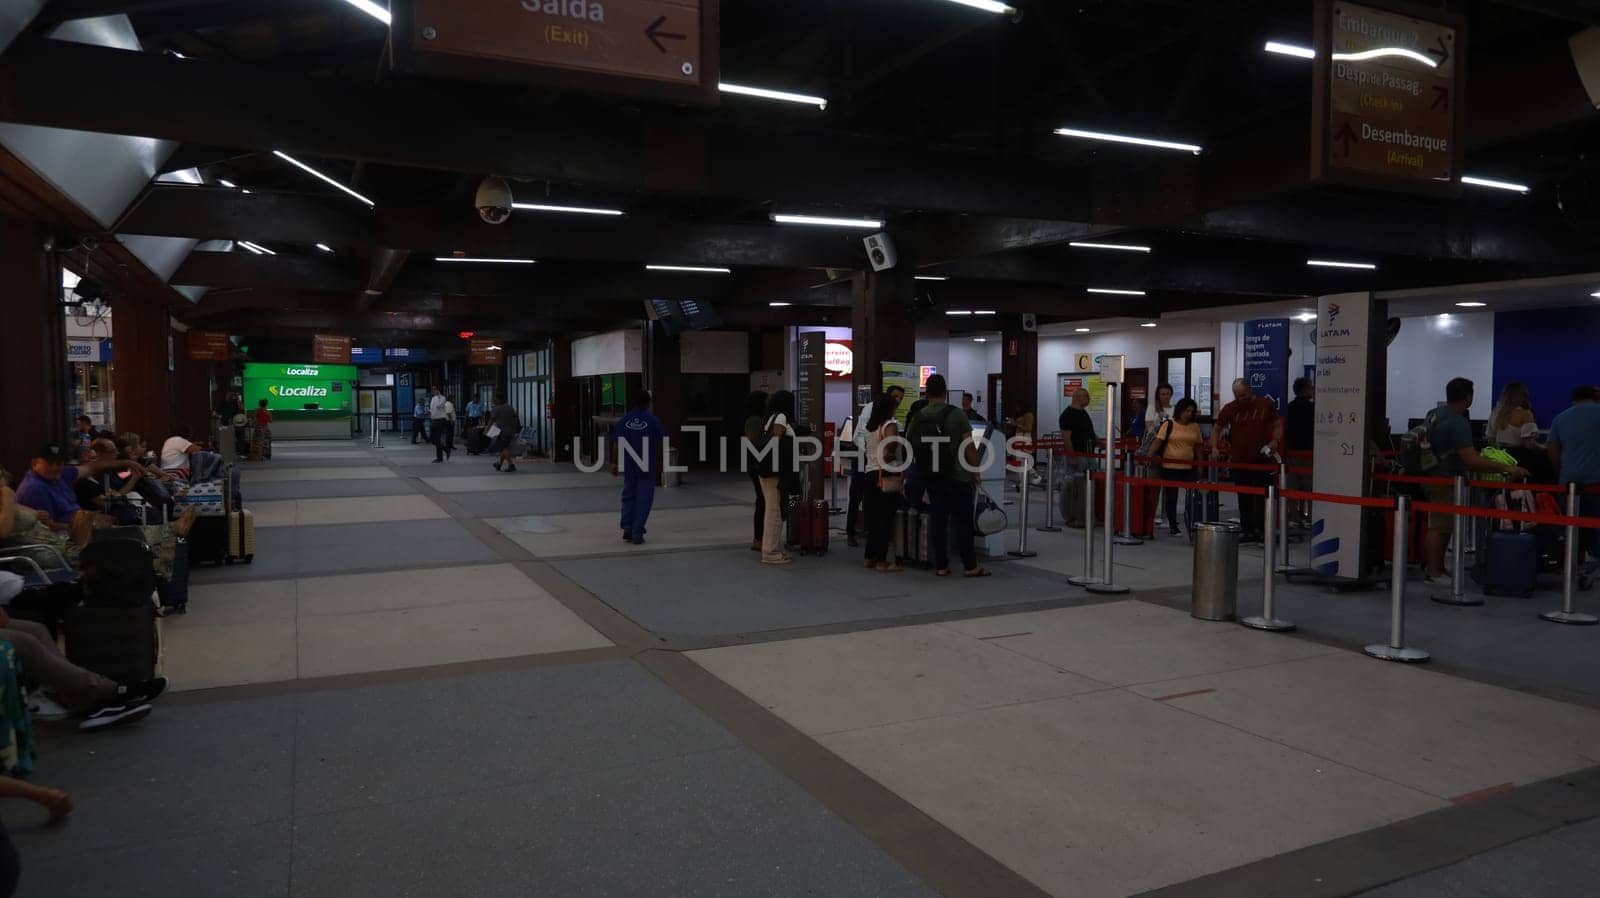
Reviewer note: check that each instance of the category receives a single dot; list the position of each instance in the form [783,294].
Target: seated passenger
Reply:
[49,483]
[187,459]
[105,702]
[22,525]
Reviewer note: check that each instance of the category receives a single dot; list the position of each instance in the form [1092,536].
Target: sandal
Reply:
[979,571]
[942,572]
[889,568]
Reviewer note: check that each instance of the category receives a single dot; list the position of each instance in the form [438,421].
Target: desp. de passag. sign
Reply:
[1387,91]
[657,40]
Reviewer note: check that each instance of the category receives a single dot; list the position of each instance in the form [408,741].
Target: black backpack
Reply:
[935,457]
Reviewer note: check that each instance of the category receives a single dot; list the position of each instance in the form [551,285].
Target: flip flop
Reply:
[977,572]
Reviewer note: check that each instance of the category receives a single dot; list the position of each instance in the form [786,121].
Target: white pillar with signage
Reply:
[1349,333]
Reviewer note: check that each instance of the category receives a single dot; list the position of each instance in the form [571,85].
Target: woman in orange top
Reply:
[261,440]
[1180,443]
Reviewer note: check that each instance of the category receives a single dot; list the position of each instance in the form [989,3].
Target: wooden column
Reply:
[1019,376]
[143,384]
[882,328]
[33,361]
[564,395]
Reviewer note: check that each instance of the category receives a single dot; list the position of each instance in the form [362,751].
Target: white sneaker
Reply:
[1431,580]
[44,708]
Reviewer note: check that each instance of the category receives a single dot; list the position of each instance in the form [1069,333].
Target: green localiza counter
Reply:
[307,401]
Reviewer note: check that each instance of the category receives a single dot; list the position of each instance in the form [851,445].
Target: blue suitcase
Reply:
[1510,564]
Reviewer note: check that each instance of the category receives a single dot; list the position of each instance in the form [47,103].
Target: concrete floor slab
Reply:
[199,655]
[599,533]
[1108,794]
[239,862]
[265,474]
[717,824]
[1555,865]
[418,588]
[321,549]
[237,603]
[361,746]
[301,512]
[323,489]
[1133,642]
[424,637]
[573,500]
[1439,734]
[490,480]
[832,683]
[725,592]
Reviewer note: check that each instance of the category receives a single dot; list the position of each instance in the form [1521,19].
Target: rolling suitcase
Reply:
[477,440]
[122,644]
[921,553]
[1510,564]
[241,537]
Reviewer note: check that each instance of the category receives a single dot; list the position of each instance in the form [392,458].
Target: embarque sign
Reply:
[1388,98]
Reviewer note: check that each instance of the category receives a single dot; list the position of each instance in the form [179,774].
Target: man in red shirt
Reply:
[1248,421]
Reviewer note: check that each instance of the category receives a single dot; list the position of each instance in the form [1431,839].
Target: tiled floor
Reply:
[457,682]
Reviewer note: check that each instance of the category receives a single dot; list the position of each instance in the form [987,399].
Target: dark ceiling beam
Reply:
[384,267]
[283,272]
[91,88]
[218,213]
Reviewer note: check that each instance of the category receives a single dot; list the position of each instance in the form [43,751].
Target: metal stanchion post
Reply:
[1088,576]
[1106,584]
[1126,538]
[1022,550]
[1049,491]
[1282,544]
[1458,540]
[1397,650]
[1267,620]
[1569,571]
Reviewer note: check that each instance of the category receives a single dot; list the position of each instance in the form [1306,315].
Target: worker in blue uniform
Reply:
[640,444]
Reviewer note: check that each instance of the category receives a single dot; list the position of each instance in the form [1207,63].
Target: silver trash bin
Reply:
[1216,571]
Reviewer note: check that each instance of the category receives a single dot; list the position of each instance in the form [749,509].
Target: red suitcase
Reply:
[812,530]
[1143,499]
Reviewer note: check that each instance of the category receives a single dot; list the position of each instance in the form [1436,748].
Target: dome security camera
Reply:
[494,200]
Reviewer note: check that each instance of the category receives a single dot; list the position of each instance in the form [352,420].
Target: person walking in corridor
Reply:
[640,447]
[441,417]
[419,420]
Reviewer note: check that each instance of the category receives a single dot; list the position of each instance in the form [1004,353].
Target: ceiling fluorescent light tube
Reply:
[766,94]
[1497,185]
[575,210]
[1125,138]
[325,247]
[984,312]
[256,246]
[1284,49]
[309,170]
[1125,247]
[778,305]
[1333,263]
[930,277]
[486,261]
[701,269]
[989,6]
[957,311]
[826,221]
[246,245]
[1115,292]
[375,10]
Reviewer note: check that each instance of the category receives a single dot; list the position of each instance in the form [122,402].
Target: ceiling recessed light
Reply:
[1112,291]
[573,210]
[1148,324]
[930,277]
[1126,138]
[769,94]
[1471,305]
[325,247]
[1284,49]
[377,11]
[483,260]
[693,269]
[827,221]
[1125,247]
[1334,263]
[1495,184]
[778,305]
[309,170]
[1080,330]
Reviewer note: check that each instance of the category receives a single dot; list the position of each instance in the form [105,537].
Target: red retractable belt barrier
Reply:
[1531,517]
[1364,501]
[1189,485]
[1483,484]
